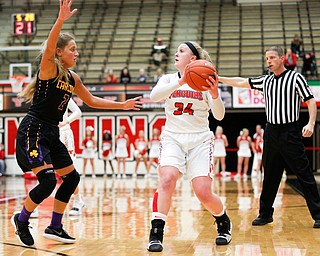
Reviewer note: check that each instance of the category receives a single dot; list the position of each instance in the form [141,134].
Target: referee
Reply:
[283,146]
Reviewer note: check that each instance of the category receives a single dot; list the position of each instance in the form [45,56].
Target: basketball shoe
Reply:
[156,236]
[76,209]
[224,227]
[58,235]
[22,230]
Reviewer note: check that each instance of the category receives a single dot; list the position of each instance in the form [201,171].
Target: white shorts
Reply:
[190,153]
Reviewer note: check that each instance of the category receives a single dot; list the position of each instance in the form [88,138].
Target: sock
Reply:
[159,216]
[24,215]
[219,214]
[77,197]
[155,202]
[56,220]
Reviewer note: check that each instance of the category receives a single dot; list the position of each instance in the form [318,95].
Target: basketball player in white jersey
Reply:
[67,138]
[187,145]
[244,144]
[219,151]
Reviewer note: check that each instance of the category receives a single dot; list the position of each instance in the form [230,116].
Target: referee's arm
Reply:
[235,81]
[307,130]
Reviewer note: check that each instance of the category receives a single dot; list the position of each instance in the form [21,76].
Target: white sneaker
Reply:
[245,176]
[35,213]
[237,176]
[77,208]
[224,174]
[93,176]
[254,174]
[134,175]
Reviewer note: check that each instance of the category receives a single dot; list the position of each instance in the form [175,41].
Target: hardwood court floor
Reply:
[116,221]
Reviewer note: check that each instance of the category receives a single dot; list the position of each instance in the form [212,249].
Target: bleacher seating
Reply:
[114,34]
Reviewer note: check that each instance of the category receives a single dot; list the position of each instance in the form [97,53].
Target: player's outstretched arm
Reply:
[239,82]
[100,103]
[48,66]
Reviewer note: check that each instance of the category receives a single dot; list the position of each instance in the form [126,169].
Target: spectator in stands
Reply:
[309,64]
[125,77]
[159,52]
[290,60]
[2,164]
[142,78]
[110,77]
[296,45]
[157,75]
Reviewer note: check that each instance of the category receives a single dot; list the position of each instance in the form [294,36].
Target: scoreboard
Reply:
[24,24]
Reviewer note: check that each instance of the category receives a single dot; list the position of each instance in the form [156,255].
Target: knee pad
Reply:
[47,183]
[69,184]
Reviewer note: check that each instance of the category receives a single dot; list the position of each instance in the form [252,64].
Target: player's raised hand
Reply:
[212,81]
[65,12]
[134,104]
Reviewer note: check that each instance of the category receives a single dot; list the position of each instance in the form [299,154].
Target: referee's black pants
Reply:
[283,147]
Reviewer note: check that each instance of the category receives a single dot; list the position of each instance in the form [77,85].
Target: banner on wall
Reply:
[315,87]
[247,98]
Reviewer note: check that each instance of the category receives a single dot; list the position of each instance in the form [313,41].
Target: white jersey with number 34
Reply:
[186,109]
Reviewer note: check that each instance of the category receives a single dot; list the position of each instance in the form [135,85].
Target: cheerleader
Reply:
[154,152]
[219,150]
[89,145]
[141,152]
[259,149]
[255,137]
[107,151]
[122,142]
[244,144]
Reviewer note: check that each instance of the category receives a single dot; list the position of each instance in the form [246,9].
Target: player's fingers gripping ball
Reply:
[197,72]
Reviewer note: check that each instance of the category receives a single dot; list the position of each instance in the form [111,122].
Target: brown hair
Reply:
[276,49]
[63,40]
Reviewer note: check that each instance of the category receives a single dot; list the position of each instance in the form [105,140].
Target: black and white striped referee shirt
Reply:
[282,95]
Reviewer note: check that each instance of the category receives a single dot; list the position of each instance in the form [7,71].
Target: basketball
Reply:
[197,72]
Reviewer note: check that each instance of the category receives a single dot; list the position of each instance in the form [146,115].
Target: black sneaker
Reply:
[156,236]
[316,224]
[224,227]
[58,235]
[22,230]
[261,221]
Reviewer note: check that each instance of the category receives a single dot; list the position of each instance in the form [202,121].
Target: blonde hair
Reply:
[219,128]
[203,54]
[63,40]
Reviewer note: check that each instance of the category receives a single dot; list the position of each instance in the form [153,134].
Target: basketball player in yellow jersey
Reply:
[187,145]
